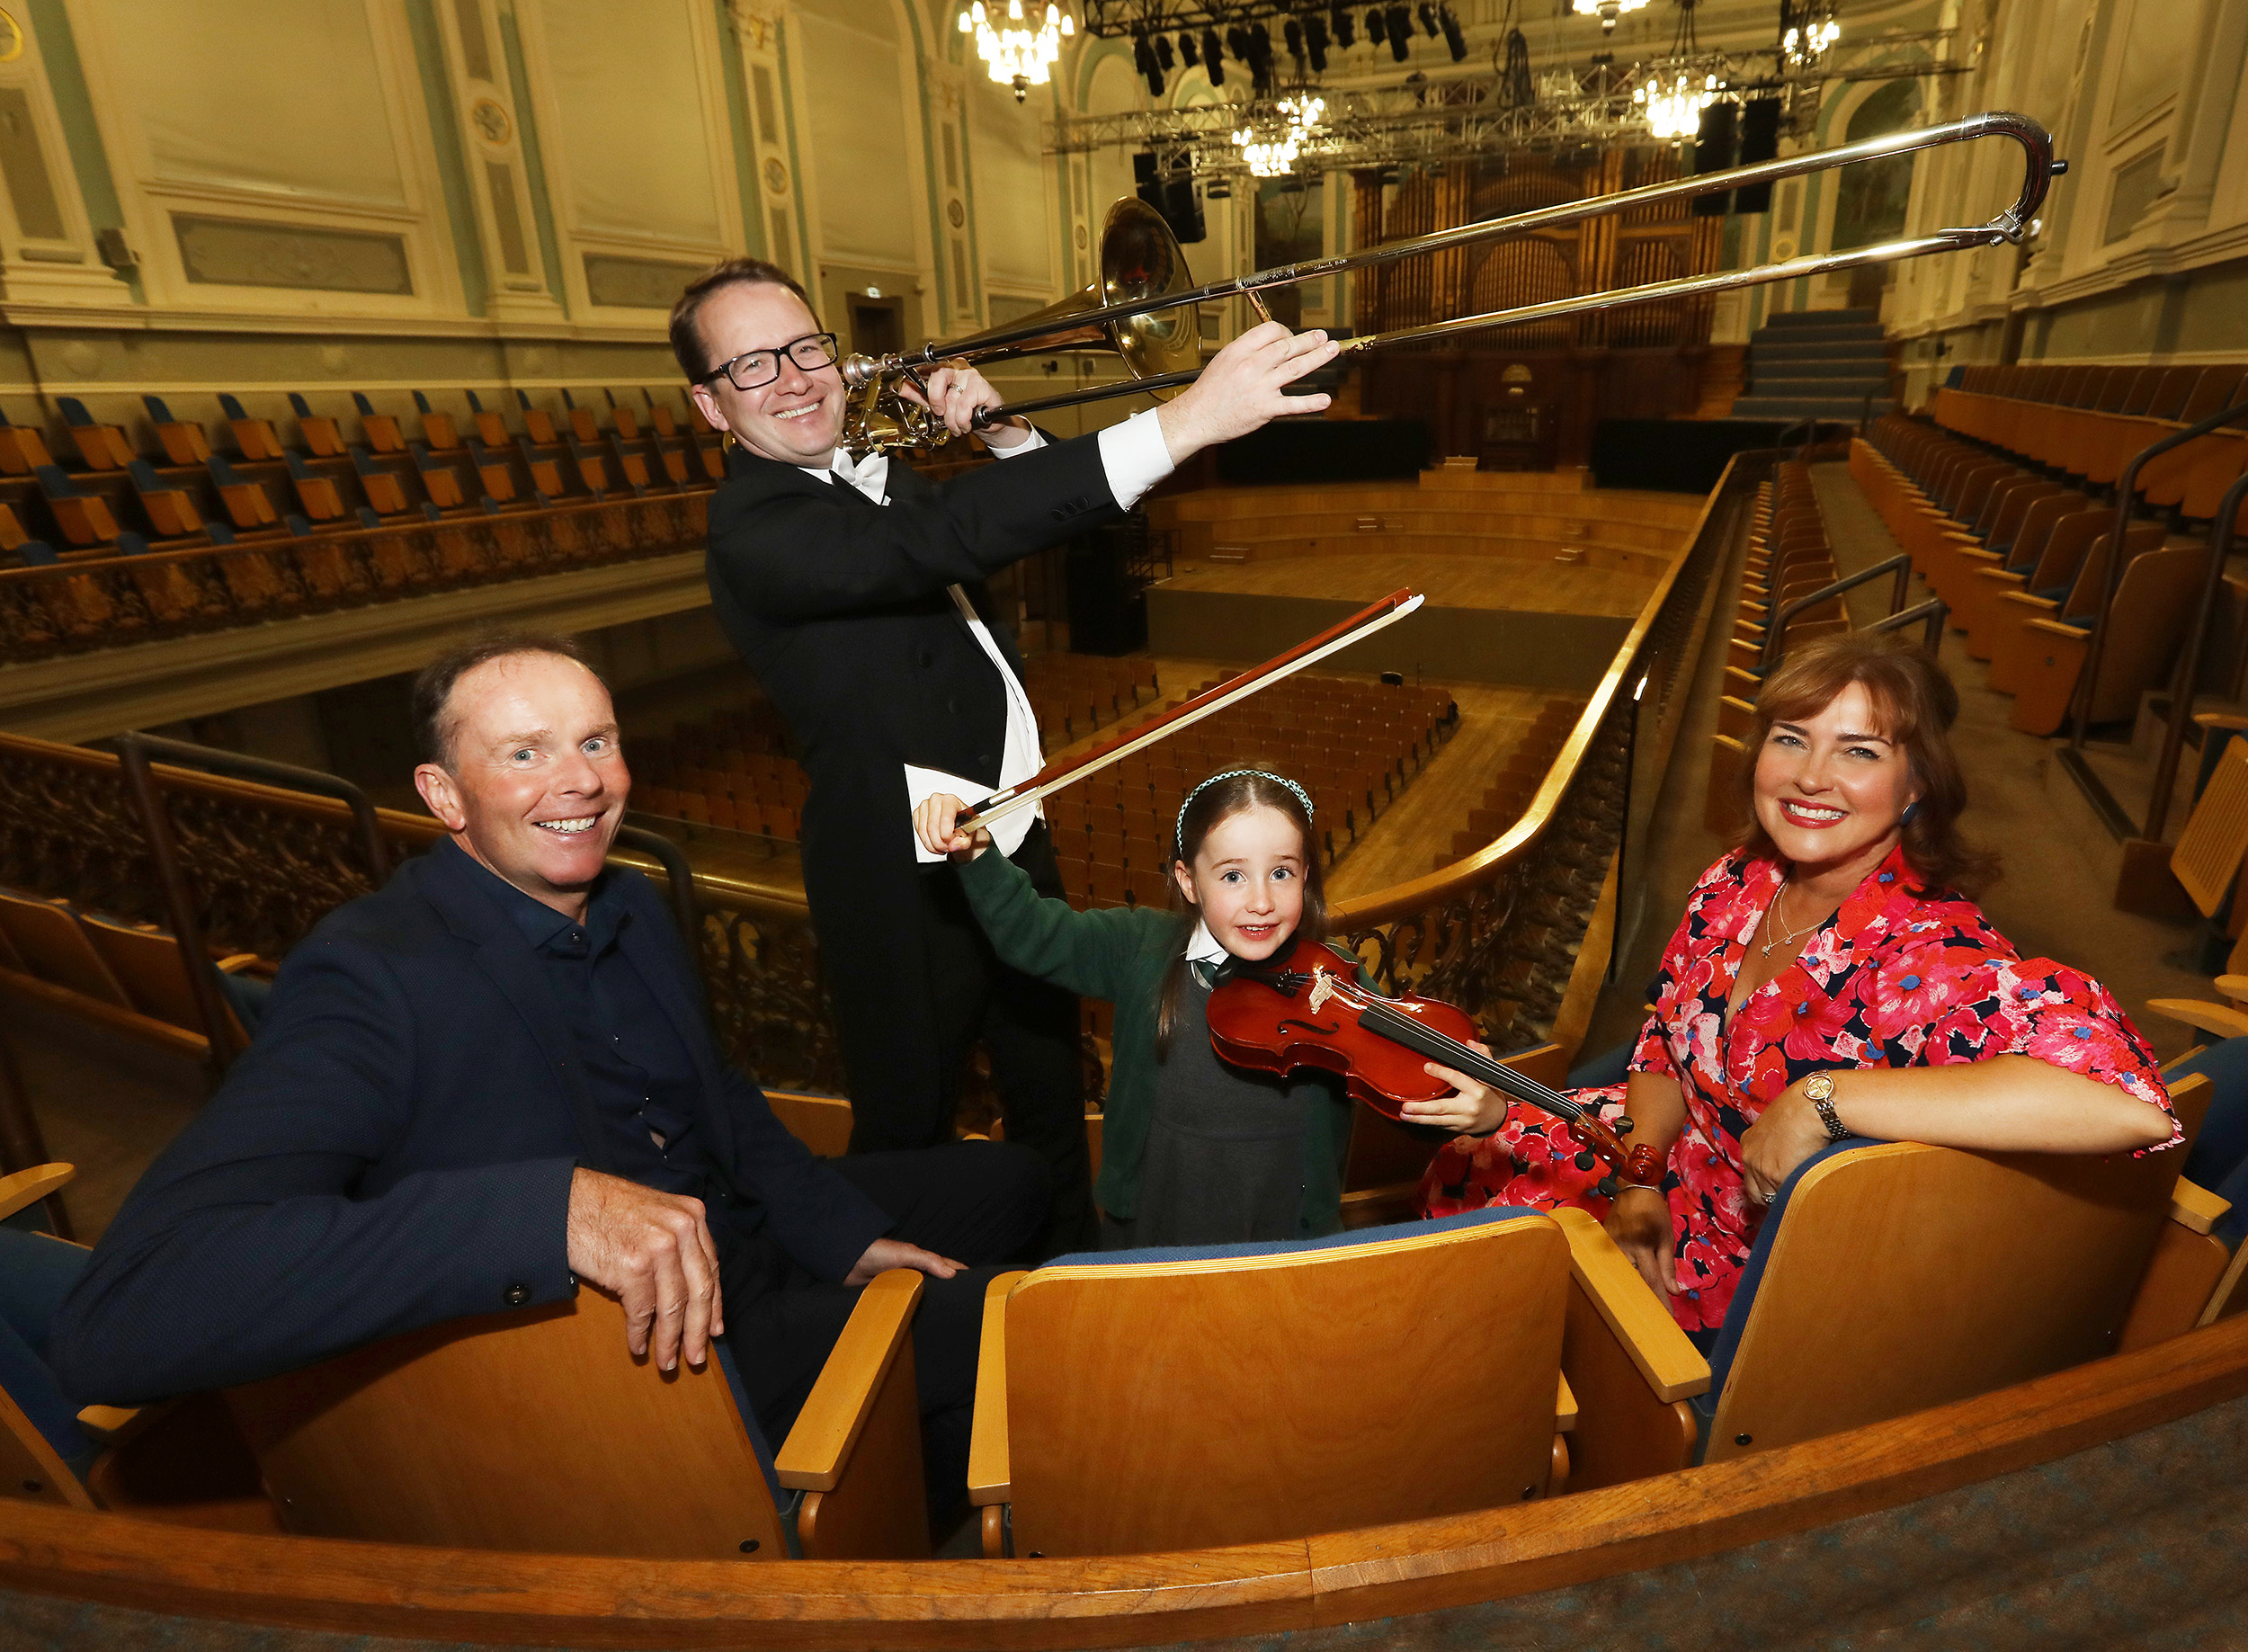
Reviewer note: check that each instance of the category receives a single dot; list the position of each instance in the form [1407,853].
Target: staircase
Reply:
[1816,363]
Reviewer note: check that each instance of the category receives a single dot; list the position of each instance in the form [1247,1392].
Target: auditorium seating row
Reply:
[1075,694]
[1112,830]
[2025,560]
[193,496]
[1517,782]
[1352,746]
[2086,423]
[97,600]
[1576,1374]
[108,973]
[1789,557]
[1102,1392]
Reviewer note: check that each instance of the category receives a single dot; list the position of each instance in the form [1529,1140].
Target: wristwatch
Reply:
[1819,1090]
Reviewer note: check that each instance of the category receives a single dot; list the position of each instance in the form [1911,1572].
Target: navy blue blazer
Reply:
[397,1148]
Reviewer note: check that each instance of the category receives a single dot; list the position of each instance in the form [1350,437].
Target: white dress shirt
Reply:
[1135,457]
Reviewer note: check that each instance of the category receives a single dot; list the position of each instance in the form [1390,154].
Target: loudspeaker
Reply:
[1713,152]
[1146,184]
[1182,210]
[1106,614]
[1760,141]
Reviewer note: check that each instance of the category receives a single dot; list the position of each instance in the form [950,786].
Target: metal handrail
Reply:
[2189,665]
[2125,488]
[135,752]
[136,749]
[1901,565]
[1935,611]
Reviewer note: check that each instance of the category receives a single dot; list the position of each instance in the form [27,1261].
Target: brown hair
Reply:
[433,724]
[1208,806]
[1915,703]
[686,329]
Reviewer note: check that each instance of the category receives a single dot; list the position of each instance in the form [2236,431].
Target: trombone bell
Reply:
[1141,262]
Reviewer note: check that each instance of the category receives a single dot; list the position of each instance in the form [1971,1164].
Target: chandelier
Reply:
[1275,157]
[1673,107]
[1607,11]
[1808,28]
[1017,56]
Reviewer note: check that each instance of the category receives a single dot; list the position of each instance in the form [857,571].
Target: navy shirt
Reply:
[641,1077]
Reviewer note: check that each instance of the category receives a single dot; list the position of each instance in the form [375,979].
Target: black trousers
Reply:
[983,1203]
[1031,1030]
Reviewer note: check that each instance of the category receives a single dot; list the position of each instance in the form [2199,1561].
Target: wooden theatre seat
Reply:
[2152,604]
[1157,1400]
[536,1432]
[1891,1277]
[119,976]
[103,447]
[181,1463]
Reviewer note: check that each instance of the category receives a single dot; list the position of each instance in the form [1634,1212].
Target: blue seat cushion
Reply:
[1727,1342]
[1610,1066]
[1282,1247]
[2218,1160]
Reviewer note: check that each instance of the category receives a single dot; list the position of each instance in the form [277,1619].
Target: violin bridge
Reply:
[1322,989]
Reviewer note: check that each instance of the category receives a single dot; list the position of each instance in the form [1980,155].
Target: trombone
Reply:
[1144,273]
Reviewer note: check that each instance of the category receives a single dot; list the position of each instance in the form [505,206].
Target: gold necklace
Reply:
[1773,920]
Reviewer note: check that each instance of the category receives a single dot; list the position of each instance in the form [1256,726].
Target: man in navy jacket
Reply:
[493,1079]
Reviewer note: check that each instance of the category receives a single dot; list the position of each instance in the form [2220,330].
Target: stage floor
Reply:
[1497,584]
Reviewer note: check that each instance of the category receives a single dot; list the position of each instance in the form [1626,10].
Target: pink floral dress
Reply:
[1898,977]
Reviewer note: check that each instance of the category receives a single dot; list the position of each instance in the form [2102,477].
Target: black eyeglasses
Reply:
[754,369]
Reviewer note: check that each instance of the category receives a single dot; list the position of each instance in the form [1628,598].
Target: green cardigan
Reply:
[1121,953]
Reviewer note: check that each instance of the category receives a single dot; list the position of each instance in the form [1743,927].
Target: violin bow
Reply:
[1058,774]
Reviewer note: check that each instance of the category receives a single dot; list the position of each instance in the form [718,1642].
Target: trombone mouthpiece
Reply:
[862,371]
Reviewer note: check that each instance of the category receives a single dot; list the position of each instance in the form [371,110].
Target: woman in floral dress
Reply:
[1835,941]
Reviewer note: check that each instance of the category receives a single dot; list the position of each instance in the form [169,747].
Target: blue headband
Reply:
[1178,830]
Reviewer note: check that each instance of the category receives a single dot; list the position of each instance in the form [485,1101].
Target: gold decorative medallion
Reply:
[955,213]
[10,38]
[491,121]
[776,176]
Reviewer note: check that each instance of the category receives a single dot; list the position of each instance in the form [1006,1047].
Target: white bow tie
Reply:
[870,476]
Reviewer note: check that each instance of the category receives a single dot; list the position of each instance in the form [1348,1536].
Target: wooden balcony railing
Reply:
[1499,933]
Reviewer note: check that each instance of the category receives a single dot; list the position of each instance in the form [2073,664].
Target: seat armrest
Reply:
[108,1423]
[28,1187]
[2221,1018]
[818,1448]
[1643,1327]
[1563,1406]
[990,1475]
[2196,1209]
[2056,628]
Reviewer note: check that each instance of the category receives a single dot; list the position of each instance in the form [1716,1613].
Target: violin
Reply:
[1308,1009]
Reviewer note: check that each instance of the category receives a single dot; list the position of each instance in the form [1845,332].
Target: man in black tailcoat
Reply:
[853,589]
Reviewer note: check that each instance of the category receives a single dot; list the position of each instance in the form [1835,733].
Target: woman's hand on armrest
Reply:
[1639,1221]
[2006,1104]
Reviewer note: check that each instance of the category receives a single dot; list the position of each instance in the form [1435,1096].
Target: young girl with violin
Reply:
[1194,1150]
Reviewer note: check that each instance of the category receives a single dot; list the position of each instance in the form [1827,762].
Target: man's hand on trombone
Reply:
[956,392]
[1241,389]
